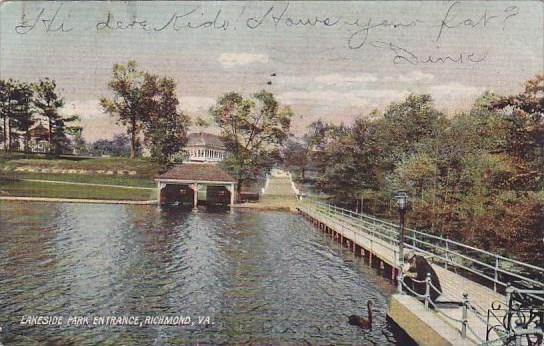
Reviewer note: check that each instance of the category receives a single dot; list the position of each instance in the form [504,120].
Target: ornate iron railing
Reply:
[520,319]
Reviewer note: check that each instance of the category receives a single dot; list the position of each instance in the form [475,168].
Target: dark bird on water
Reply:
[355,320]
[269,82]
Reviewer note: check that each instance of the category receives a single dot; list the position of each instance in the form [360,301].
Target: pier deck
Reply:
[380,245]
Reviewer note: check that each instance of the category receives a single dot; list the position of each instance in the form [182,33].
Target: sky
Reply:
[333,61]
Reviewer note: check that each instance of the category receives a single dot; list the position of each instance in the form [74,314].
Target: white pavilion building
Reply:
[205,147]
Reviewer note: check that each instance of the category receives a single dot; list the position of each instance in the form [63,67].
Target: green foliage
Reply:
[22,104]
[128,100]
[118,146]
[202,123]
[22,112]
[295,156]
[143,101]
[476,177]
[523,116]
[48,101]
[165,127]
[253,129]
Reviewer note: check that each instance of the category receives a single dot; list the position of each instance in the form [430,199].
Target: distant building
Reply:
[191,183]
[38,139]
[205,147]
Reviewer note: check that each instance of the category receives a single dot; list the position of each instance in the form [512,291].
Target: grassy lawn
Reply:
[11,183]
[9,187]
[144,168]
[83,178]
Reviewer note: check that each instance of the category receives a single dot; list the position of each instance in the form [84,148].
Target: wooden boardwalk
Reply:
[380,247]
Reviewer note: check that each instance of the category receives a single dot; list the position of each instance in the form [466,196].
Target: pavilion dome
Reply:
[203,139]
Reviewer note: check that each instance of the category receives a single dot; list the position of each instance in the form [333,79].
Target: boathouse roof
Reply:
[196,172]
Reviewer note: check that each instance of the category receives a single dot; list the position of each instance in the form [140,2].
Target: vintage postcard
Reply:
[271,172]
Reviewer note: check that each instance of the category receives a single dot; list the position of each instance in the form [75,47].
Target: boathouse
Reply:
[194,183]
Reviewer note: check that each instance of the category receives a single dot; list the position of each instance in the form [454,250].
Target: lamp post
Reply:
[402,200]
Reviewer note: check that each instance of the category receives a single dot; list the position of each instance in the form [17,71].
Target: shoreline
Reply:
[256,206]
[75,200]
[88,184]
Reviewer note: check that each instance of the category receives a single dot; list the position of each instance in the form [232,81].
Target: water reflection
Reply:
[261,277]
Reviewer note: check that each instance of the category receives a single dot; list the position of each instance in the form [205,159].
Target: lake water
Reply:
[261,277]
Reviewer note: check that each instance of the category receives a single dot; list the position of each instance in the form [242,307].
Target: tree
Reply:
[78,142]
[476,177]
[316,136]
[524,115]
[126,105]
[48,102]
[295,156]
[165,127]
[6,109]
[408,123]
[202,123]
[252,129]
[22,113]
[118,146]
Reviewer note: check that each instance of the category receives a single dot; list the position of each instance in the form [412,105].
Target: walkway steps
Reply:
[279,187]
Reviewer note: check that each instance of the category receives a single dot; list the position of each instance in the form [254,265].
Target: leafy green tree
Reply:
[252,129]
[316,136]
[126,104]
[202,122]
[17,111]
[22,111]
[79,144]
[62,128]
[5,108]
[165,127]
[118,146]
[48,101]
[295,156]
[342,175]
[8,105]
[524,116]
[475,177]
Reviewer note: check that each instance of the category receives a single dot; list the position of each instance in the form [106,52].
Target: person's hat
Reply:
[408,255]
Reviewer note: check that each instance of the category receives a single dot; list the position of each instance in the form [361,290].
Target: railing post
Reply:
[518,336]
[400,279]
[509,291]
[401,234]
[447,252]
[465,315]
[427,290]
[496,274]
